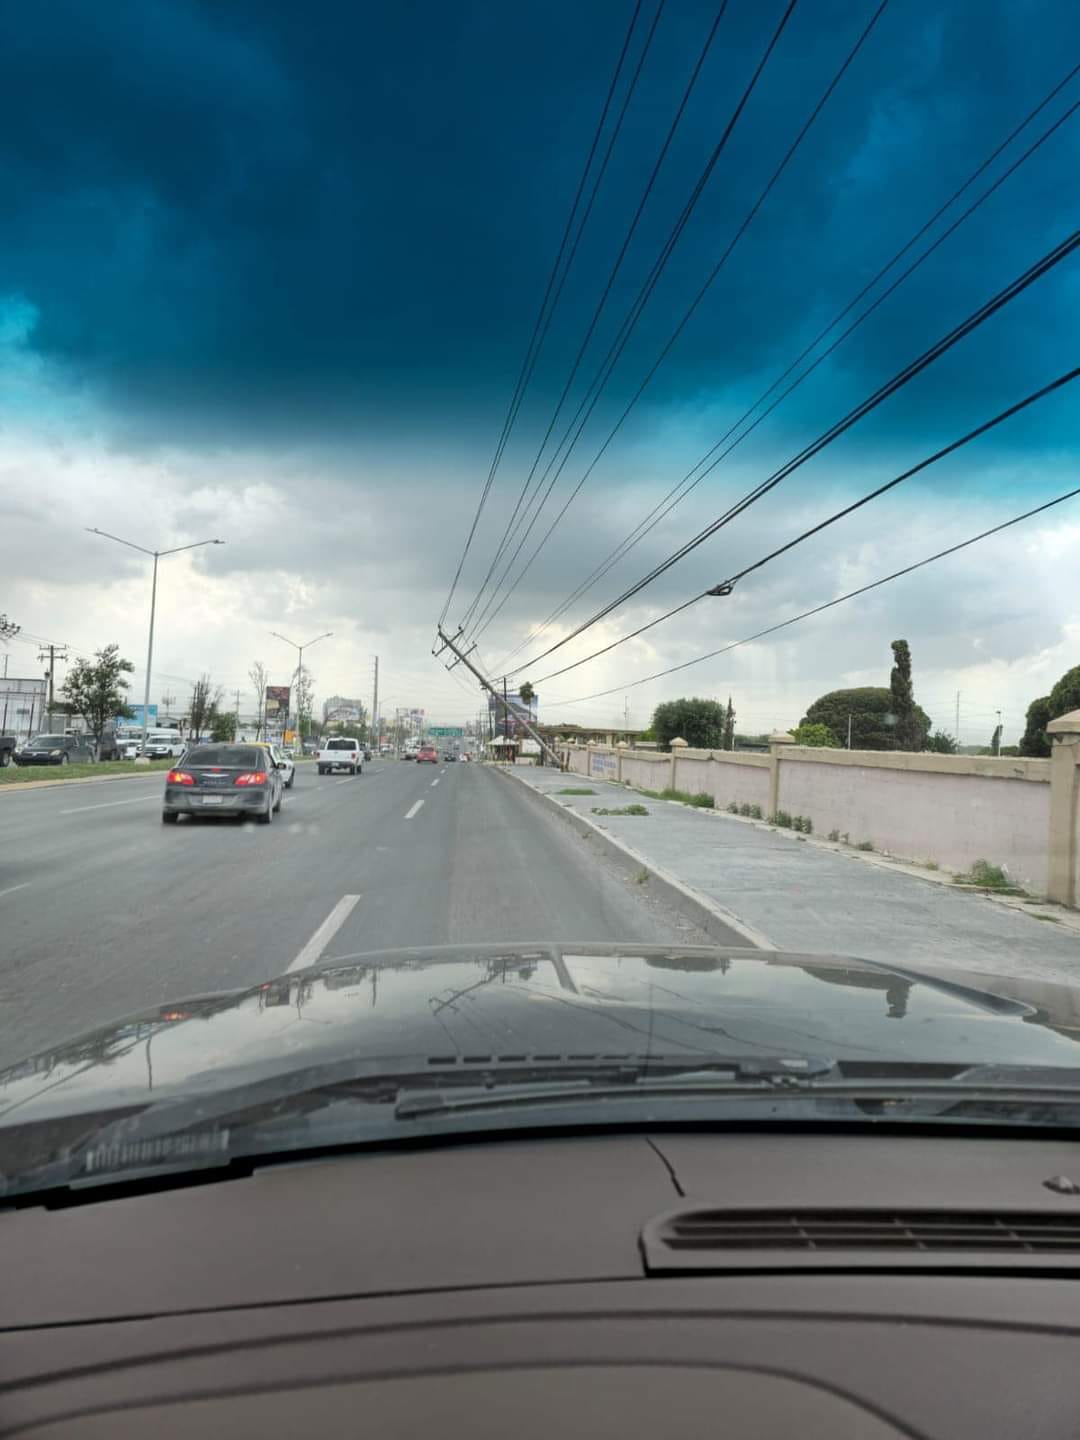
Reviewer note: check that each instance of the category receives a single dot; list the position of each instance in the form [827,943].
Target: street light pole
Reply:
[300,666]
[157,555]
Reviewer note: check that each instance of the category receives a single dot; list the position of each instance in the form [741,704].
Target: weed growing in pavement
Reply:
[834,835]
[781,818]
[732,808]
[576,790]
[641,877]
[846,838]
[989,877]
[931,865]
[619,810]
[756,812]
[744,809]
[702,801]
[865,845]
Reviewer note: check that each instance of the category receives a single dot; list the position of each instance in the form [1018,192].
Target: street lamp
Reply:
[300,665]
[158,555]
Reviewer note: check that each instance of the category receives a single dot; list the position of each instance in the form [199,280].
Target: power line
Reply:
[726,587]
[817,609]
[541,324]
[698,298]
[613,274]
[607,365]
[668,503]
[1016,287]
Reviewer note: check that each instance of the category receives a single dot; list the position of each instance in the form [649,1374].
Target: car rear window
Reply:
[341,744]
[243,757]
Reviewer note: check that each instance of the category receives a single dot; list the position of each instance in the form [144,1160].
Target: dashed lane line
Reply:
[325,933]
[410,813]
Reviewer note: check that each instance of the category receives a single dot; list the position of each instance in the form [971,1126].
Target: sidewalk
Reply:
[799,894]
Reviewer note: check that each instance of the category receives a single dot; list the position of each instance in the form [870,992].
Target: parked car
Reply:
[341,752]
[282,759]
[57,750]
[224,780]
[427,754]
[8,745]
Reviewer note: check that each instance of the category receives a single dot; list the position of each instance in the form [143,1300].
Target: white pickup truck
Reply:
[340,752]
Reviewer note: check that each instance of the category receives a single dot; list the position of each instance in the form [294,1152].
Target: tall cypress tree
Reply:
[907,731]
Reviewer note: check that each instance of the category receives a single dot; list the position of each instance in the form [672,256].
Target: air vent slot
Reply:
[708,1240]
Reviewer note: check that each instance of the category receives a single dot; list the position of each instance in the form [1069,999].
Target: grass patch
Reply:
[990,877]
[26,774]
[619,810]
[575,790]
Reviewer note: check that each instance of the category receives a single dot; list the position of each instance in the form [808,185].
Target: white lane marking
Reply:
[12,888]
[410,813]
[347,781]
[434,783]
[325,933]
[108,805]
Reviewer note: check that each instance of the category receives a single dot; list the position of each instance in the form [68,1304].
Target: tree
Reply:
[1034,741]
[528,695]
[303,699]
[97,690]
[699,722]
[909,734]
[819,735]
[205,701]
[728,738]
[873,723]
[223,725]
[257,675]
[1065,695]
[941,743]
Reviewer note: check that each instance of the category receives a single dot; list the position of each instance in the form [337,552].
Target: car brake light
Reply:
[179,777]
[252,777]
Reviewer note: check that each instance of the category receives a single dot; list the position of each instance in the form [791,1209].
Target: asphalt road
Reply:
[104,911]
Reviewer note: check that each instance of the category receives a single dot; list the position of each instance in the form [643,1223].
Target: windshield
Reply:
[671,410]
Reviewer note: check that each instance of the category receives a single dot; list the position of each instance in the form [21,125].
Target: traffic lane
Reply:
[141,913]
[479,861]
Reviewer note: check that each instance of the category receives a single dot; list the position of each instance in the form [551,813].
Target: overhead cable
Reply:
[543,318]
[828,605]
[688,483]
[1035,272]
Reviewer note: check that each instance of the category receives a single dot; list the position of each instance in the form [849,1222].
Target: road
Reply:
[104,911]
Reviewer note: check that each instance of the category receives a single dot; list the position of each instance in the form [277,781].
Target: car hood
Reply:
[394,1011]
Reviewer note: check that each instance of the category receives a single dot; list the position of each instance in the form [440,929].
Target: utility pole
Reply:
[449,643]
[375,707]
[49,653]
[958,719]
[849,732]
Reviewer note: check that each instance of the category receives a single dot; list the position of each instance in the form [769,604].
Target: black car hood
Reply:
[399,1010]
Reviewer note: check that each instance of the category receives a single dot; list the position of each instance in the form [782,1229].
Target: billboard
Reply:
[135,720]
[277,705]
[517,707]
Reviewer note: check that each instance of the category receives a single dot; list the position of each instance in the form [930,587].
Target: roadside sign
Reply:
[443,732]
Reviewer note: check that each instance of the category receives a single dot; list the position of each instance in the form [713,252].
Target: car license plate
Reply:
[213,799]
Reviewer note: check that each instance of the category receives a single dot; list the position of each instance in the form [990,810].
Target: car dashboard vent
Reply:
[703,1241]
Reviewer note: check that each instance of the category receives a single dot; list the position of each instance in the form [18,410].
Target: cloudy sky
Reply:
[268,272]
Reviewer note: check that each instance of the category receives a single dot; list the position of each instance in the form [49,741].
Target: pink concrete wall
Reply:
[744,779]
[953,819]
[651,772]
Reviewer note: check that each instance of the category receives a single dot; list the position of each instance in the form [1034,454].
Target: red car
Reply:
[427,752]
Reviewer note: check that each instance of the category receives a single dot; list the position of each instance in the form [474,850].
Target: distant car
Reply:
[408,753]
[426,754]
[282,759]
[224,780]
[56,750]
[449,755]
[341,752]
[159,749]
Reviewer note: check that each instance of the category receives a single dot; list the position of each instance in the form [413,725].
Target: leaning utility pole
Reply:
[450,643]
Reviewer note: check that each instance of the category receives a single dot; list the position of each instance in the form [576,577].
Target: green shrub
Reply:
[732,808]
[990,877]
[865,845]
[576,790]
[834,835]
[702,801]
[756,812]
[744,809]
[782,818]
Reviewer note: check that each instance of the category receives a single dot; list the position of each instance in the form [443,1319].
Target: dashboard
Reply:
[531,1286]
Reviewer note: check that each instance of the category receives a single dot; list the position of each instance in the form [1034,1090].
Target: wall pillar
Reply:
[777,741]
[676,745]
[1064,735]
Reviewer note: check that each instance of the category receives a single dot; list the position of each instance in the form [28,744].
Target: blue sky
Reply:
[263,265]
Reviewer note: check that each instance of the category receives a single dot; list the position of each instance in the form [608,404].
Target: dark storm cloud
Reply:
[253,221]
